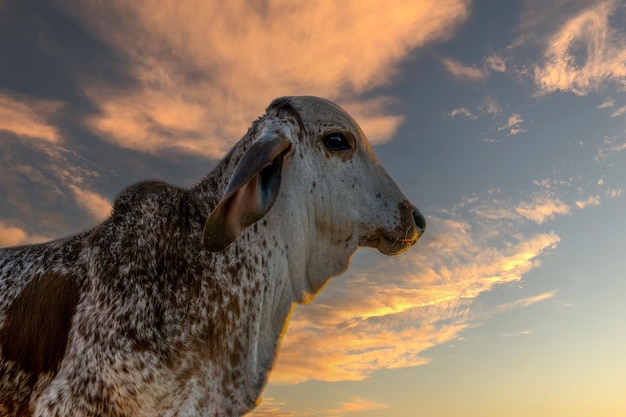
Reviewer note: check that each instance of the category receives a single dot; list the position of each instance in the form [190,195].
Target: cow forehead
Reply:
[313,110]
[320,115]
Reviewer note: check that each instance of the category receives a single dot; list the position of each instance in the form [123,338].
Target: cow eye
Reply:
[336,142]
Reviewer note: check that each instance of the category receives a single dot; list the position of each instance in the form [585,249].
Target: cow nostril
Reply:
[420,221]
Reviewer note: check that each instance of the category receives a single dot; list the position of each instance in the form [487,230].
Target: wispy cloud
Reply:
[608,102]
[464,72]
[471,73]
[271,407]
[618,112]
[94,203]
[585,53]
[610,146]
[613,192]
[462,111]
[57,172]
[496,62]
[490,140]
[29,117]
[542,208]
[592,200]
[490,107]
[526,302]
[513,125]
[196,86]
[516,334]
[357,403]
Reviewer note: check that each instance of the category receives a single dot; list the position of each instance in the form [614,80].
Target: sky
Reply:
[504,121]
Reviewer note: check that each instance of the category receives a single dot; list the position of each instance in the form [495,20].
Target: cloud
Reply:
[489,107]
[542,208]
[619,112]
[463,111]
[609,102]
[28,117]
[613,192]
[492,62]
[593,200]
[463,72]
[271,407]
[357,403]
[513,125]
[201,71]
[13,236]
[387,315]
[496,62]
[610,146]
[372,116]
[516,334]
[42,173]
[99,207]
[585,53]
[526,302]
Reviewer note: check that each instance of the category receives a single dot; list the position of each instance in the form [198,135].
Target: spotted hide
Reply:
[175,304]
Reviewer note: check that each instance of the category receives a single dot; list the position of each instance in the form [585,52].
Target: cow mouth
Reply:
[391,244]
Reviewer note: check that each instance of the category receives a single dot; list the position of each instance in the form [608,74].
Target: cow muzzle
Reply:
[392,242]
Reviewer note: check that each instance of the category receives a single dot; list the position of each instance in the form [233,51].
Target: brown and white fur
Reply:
[175,305]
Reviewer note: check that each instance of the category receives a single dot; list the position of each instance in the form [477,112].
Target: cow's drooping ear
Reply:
[251,191]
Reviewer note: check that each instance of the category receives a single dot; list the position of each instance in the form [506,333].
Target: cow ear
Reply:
[250,193]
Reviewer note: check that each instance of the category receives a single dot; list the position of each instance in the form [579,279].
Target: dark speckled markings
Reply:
[175,305]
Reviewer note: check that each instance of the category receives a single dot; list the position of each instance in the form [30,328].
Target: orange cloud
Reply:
[464,72]
[204,70]
[58,169]
[357,403]
[584,53]
[542,206]
[98,206]
[25,116]
[13,236]
[390,315]
[271,407]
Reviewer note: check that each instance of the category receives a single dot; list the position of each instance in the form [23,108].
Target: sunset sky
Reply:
[504,121]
